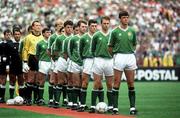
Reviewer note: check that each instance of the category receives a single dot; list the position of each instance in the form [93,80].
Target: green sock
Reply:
[64,89]
[101,95]
[75,94]
[50,91]
[115,97]
[94,96]
[35,91]
[58,93]
[83,96]
[41,92]
[69,92]
[110,97]
[132,96]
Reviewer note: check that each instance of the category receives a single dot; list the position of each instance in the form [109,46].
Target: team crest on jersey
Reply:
[129,34]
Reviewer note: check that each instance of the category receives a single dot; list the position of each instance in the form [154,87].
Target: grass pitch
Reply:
[153,99]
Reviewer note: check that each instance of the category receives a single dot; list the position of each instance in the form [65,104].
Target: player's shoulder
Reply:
[131,28]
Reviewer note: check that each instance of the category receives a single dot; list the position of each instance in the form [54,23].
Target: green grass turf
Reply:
[13,113]
[154,99]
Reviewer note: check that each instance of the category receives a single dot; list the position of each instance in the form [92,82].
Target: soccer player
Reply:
[69,73]
[4,62]
[53,74]
[30,62]
[15,65]
[122,46]
[44,63]
[61,63]
[76,62]
[87,57]
[103,64]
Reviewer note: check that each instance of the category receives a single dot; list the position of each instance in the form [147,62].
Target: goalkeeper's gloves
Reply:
[25,67]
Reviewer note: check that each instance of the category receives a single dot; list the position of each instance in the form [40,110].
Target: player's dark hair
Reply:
[60,30]
[91,21]
[29,28]
[81,21]
[45,30]
[123,13]
[68,22]
[7,31]
[35,21]
[74,26]
[16,30]
[105,18]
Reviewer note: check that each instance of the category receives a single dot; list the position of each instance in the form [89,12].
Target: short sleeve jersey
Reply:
[51,40]
[99,45]
[123,41]
[30,44]
[74,49]
[58,44]
[41,51]
[84,46]
[65,45]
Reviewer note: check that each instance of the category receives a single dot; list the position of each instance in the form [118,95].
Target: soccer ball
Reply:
[18,100]
[101,107]
[10,102]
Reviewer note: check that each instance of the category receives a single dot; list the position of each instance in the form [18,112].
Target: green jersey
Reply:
[99,45]
[51,40]
[41,49]
[123,41]
[21,47]
[58,44]
[84,46]
[65,45]
[74,49]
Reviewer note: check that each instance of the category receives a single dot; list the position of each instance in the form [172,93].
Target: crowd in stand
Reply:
[157,22]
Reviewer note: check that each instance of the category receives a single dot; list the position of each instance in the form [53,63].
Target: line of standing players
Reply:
[68,58]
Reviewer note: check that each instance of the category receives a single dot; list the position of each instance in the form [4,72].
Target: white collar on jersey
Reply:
[90,35]
[105,34]
[124,29]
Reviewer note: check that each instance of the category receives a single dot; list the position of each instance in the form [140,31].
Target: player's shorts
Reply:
[55,70]
[44,67]
[87,65]
[16,67]
[33,63]
[103,66]
[62,64]
[124,62]
[74,67]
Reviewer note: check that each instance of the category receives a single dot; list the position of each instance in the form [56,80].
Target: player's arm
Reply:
[111,43]
[38,50]
[81,45]
[56,48]
[25,49]
[134,39]
[93,45]
[70,47]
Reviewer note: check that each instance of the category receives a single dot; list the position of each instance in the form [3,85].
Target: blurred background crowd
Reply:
[157,22]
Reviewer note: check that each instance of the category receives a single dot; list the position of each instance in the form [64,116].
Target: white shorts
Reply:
[103,66]
[74,67]
[87,65]
[62,65]
[44,67]
[124,62]
[55,70]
